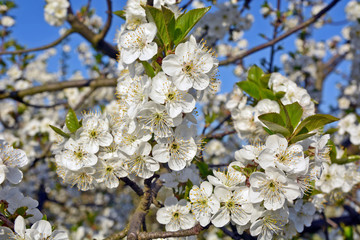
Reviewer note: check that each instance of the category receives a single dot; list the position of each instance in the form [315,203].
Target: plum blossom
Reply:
[287,158]
[189,66]
[235,206]
[10,160]
[139,43]
[176,215]
[176,102]
[203,203]
[272,187]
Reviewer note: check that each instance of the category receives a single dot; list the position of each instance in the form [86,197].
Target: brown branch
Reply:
[119,235]
[182,233]
[221,135]
[50,45]
[107,25]
[57,86]
[6,222]
[281,37]
[133,186]
[96,40]
[140,212]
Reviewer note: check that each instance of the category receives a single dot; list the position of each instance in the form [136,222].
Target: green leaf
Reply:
[294,112]
[59,131]
[349,159]
[120,13]
[333,152]
[264,80]
[203,169]
[314,122]
[250,88]
[275,123]
[255,73]
[280,95]
[21,211]
[157,16]
[169,18]
[148,69]
[71,121]
[184,23]
[266,93]
[210,118]
[188,187]
[268,130]
[300,137]
[348,233]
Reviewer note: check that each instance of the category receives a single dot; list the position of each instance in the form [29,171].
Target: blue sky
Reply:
[32,30]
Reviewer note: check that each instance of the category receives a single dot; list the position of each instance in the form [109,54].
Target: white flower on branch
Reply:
[176,215]
[189,66]
[139,43]
[203,203]
[272,187]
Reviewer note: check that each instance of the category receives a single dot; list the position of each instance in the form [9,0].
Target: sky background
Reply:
[32,30]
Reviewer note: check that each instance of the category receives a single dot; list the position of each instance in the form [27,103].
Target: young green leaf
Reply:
[275,123]
[156,15]
[203,169]
[148,69]
[250,88]
[300,137]
[294,111]
[59,131]
[184,23]
[169,18]
[120,13]
[314,122]
[255,73]
[71,121]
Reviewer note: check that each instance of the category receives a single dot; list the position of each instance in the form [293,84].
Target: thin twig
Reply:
[57,86]
[281,37]
[133,186]
[47,46]
[6,222]
[275,32]
[107,25]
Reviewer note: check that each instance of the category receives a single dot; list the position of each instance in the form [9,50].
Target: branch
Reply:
[96,40]
[20,100]
[57,86]
[6,222]
[50,45]
[140,212]
[133,186]
[119,235]
[281,37]
[182,233]
[107,25]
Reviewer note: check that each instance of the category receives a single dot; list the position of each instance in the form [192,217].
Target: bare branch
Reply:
[57,86]
[107,25]
[281,37]
[6,222]
[95,39]
[47,46]
[182,233]
[133,186]
[140,212]
[119,235]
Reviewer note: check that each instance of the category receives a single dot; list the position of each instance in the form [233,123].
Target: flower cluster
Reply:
[262,191]
[56,11]
[151,124]
[39,230]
